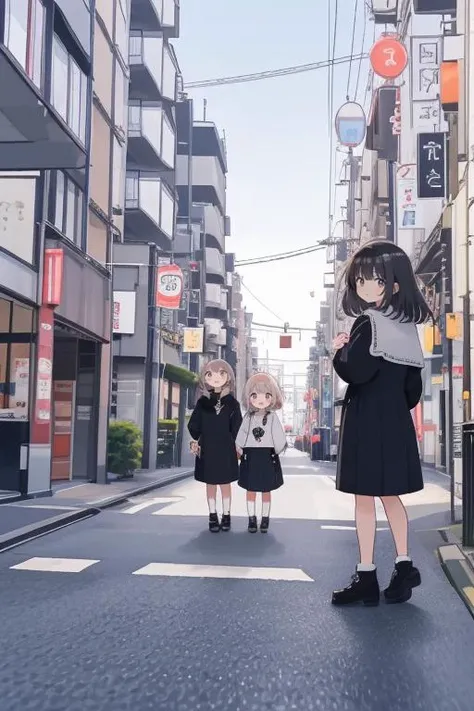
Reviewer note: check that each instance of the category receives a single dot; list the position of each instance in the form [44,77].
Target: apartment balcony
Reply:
[153,69]
[215,298]
[32,134]
[151,138]
[213,225]
[153,15]
[209,183]
[215,265]
[149,209]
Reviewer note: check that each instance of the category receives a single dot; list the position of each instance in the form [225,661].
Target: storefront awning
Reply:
[177,374]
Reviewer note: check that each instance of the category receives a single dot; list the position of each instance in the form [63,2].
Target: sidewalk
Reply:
[23,520]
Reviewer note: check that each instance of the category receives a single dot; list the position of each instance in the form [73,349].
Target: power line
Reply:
[354,25]
[365,20]
[282,255]
[270,74]
[261,302]
[279,329]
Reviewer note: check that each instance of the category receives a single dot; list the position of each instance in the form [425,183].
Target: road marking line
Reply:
[44,506]
[346,528]
[176,570]
[55,565]
[151,502]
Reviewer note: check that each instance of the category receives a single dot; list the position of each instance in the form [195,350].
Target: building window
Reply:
[121,97]
[24,34]
[16,325]
[69,91]
[121,28]
[17,216]
[67,205]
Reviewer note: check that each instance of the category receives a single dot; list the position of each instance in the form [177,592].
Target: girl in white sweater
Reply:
[260,441]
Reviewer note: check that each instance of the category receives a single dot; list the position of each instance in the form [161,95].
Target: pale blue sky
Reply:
[277,137]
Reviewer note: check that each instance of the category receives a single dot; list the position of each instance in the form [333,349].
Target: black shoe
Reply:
[253,528]
[364,588]
[214,525]
[405,577]
[225,522]
[264,524]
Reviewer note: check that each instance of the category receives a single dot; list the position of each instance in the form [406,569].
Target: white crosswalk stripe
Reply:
[170,570]
[55,565]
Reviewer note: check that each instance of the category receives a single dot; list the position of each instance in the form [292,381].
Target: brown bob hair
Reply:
[216,366]
[262,383]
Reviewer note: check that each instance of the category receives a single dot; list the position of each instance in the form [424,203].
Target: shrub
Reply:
[125,446]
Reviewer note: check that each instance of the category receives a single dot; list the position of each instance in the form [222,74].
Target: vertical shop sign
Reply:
[42,414]
[407,199]
[432,165]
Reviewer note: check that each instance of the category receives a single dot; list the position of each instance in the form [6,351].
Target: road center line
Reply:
[346,528]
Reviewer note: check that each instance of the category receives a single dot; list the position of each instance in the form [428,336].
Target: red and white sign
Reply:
[124,312]
[53,276]
[170,287]
[44,378]
[388,57]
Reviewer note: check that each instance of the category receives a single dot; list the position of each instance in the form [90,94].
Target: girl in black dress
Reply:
[260,441]
[381,360]
[213,426]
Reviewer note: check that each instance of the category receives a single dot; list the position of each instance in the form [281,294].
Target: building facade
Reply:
[147,378]
[63,85]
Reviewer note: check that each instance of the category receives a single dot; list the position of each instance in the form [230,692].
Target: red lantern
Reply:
[170,286]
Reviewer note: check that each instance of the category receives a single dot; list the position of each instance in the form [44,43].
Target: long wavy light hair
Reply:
[262,383]
[216,366]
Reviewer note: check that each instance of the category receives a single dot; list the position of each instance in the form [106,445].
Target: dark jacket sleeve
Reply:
[235,419]
[413,387]
[353,363]
[195,422]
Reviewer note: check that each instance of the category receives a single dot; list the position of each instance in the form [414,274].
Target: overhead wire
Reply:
[354,26]
[267,308]
[364,31]
[269,74]
[270,258]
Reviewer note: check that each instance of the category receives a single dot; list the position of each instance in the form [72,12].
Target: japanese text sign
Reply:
[169,287]
[432,164]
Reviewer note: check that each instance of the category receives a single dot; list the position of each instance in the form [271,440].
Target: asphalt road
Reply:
[106,639]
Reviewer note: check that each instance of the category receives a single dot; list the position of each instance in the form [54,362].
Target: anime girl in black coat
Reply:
[214,425]
[381,360]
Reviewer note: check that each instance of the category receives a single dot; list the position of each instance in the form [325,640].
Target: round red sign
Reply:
[388,57]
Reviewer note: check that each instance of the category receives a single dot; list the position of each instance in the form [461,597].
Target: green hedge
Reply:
[125,447]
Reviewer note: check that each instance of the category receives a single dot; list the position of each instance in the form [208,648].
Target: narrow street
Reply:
[142,608]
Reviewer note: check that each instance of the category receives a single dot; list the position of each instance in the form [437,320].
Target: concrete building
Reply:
[63,79]
[390,196]
[147,377]
[201,186]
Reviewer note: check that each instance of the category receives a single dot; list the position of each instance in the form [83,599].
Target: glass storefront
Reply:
[17,329]
[16,335]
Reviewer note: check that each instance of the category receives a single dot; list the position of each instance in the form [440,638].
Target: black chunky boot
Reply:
[253,528]
[364,587]
[225,522]
[405,577]
[264,524]
[214,525]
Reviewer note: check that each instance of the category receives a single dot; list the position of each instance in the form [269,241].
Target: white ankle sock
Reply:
[266,508]
[402,559]
[212,506]
[361,568]
[226,506]
[251,507]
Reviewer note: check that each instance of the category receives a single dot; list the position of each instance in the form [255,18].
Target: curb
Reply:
[459,572]
[35,530]
[102,504]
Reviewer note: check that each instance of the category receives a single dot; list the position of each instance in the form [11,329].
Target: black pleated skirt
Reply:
[260,469]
